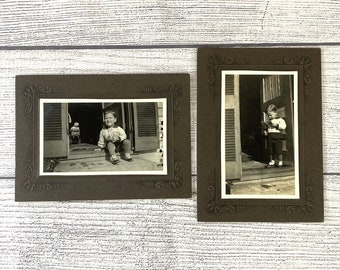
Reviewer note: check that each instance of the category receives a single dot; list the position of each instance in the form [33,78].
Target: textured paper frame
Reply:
[307,62]
[30,186]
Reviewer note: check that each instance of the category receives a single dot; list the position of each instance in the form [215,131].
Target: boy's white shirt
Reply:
[106,135]
[277,129]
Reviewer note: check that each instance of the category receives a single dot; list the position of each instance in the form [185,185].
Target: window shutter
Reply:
[230,145]
[229,85]
[231,155]
[146,119]
[52,122]
[146,126]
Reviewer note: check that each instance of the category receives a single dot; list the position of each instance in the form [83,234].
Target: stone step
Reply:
[262,173]
[85,154]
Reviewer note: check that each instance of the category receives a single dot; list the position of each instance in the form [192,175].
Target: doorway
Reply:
[89,116]
[252,140]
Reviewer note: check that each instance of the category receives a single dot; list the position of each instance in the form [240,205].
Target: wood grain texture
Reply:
[159,234]
[175,22]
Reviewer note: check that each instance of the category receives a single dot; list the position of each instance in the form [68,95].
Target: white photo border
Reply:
[42,101]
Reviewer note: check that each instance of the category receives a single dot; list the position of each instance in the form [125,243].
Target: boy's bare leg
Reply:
[127,149]
[280,160]
[112,150]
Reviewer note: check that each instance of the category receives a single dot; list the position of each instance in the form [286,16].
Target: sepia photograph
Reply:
[95,137]
[259,137]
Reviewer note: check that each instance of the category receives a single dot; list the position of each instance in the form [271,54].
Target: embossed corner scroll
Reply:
[216,61]
[174,90]
[175,183]
[32,91]
[213,206]
[306,64]
[29,182]
[306,208]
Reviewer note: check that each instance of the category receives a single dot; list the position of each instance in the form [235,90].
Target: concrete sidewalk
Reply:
[269,186]
[91,161]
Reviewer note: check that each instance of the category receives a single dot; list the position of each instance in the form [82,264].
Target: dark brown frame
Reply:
[30,186]
[309,207]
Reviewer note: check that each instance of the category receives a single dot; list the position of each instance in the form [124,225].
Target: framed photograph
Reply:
[102,137]
[260,145]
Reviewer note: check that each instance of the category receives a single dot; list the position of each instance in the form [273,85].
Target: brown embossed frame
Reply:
[33,186]
[308,207]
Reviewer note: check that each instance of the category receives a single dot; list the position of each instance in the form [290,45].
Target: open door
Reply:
[146,126]
[56,139]
[233,160]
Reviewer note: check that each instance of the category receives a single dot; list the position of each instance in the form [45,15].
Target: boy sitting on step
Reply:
[113,138]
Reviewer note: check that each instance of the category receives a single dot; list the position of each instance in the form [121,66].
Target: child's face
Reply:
[110,120]
[272,115]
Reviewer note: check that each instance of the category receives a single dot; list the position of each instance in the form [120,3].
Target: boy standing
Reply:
[275,126]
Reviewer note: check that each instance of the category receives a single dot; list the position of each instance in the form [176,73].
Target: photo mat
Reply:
[98,137]
[260,135]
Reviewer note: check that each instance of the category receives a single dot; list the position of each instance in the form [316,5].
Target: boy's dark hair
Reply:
[112,112]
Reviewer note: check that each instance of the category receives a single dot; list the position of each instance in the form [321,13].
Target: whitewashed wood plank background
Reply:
[175,22]
[161,37]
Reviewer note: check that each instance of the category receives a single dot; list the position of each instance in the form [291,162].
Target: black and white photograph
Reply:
[103,137]
[259,137]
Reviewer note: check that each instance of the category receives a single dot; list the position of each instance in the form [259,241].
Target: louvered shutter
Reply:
[146,126]
[52,121]
[232,138]
[55,133]
[230,147]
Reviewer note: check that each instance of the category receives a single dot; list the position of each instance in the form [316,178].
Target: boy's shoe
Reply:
[280,164]
[114,160]
[128,159]
[271,163]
